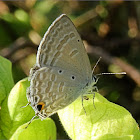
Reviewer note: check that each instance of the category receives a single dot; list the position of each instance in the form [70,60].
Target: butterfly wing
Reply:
[55,88]
[62,68]
[62,47]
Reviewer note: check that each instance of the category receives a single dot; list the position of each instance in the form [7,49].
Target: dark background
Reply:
[110,29]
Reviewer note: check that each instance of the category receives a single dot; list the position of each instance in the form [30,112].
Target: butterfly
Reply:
[62,71]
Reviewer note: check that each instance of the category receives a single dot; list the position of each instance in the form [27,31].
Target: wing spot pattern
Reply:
[72,35]
[54,97]
[59,47]
[61,87]
[55,34]
[36,98]
[55,58]
[73,53]
[48,87]
[53,77]
[66,24]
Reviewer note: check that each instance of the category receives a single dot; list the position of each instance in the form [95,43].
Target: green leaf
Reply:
[13,116]
[2,136]
[19,26]
[6,80]
[5,38]
[37,130]
[104,121]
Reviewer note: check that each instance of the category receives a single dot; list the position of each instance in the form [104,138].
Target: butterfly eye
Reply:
[94,78]
[40,106]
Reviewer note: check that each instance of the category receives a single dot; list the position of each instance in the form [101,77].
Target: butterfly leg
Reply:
[95,89]
[30,121]
[25,105]
[93,99]
[83,104]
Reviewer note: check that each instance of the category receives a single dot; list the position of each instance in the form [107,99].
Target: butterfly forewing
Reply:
[62,47]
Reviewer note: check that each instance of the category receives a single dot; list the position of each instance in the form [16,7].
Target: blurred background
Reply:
[109,29]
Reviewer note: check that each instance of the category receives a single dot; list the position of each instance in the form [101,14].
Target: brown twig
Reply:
[20,43]
[130,70]
[85,17]
[21,54]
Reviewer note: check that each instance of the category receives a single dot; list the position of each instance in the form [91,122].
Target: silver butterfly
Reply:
[62,71]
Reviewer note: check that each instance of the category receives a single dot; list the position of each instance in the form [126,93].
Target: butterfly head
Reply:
[95,78]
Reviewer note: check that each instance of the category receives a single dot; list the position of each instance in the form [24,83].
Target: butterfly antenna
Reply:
[110,73]
[104,73]
[96,64]
[30,121]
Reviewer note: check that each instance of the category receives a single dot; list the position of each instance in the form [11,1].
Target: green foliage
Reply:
[103,121]
[38,130]
[19,22]
[6,79]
